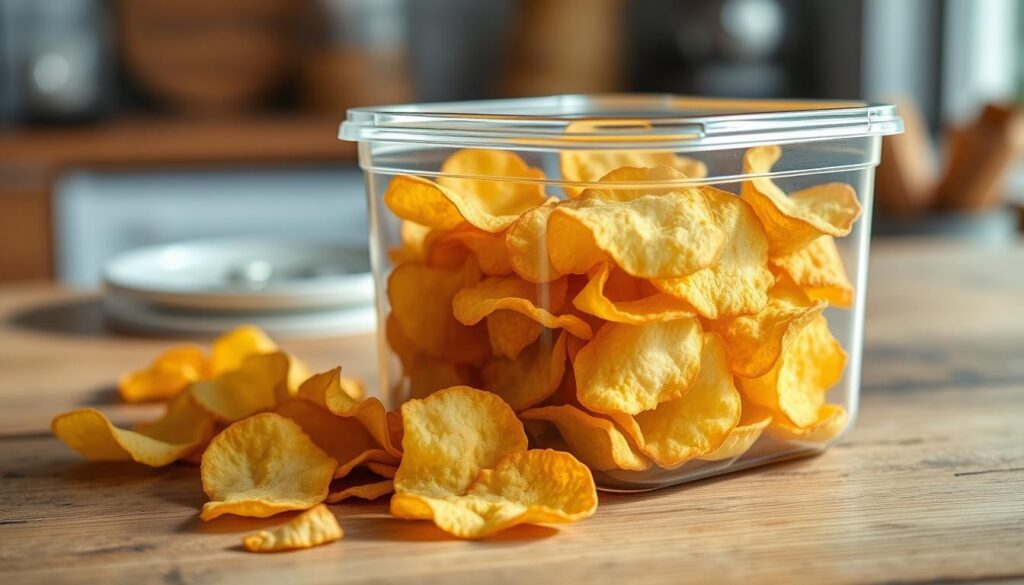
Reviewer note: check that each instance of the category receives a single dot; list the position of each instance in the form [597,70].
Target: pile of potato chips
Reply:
[647,321]
[271,438]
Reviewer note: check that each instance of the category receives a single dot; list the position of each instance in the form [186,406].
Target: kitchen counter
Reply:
[928,486]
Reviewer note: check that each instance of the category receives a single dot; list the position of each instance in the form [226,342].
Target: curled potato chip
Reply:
[183,428]
[343,438]
[472,304]
[793,221]
[169,373]
[448,249]
[795,387]
[327,390]
[421,303]
[412,235]
[653,236]
[753,421]
[540,486]
[829,424]
[613,295]
[818,269]
[364,491]
[695,424]
[378,455]
[629,182]
[450,436]
[234,347]
[261,466]
[313,527]
[511,332]
[256,386]
[596,441]
[528,380]
[738,282]
[427,375]
[382,469]
[633,368]
[498,187]
[754,343]
[527,244]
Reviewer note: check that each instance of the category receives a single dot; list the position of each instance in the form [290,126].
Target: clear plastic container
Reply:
[705,351]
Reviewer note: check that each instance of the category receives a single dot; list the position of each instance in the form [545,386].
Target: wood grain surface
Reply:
[929,486]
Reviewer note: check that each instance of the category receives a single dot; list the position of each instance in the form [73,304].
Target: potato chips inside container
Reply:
[668,288]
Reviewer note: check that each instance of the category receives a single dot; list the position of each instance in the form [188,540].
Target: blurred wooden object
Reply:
[979,156]
[31,160]
[568,46]
[206,57]
[905,179]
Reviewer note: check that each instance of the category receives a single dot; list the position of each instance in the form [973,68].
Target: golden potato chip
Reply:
[343,438]
[421,302]
[653,236]
[738,282]
[234,347]
[627,183]
[793,221]
[313,527]
[753,421]
[795,387]
[615,296]
[450,436]
[818,269]
[369,412]
[633,368]
[532,487]
[448,249]
[754,343]
[596,441]
[399,343]
[490,176]
[829,424]
[695,424]
[511,332]
[427,375]
[183,427]
[364,491]
[527,243]
[528,380]
[169,373]
[472,304]
[256,386]
[413,235]
[502,187]
[261,466]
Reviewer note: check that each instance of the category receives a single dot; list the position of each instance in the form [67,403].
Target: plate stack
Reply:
[288,288]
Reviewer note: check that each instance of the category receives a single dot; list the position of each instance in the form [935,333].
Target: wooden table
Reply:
[929,486]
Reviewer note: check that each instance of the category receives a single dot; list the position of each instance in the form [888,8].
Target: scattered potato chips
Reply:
[182,429]
[170,372]
[261,466]
[818,269]
[313,527]
[795,387]
[632,368]
[257,385]
[694,424]
[793,221]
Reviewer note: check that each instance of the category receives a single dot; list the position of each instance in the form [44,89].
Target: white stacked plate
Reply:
[288,288]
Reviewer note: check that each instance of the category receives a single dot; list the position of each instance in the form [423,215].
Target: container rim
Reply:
[619,121]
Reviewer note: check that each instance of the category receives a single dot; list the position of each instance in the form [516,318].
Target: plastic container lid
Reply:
[603,122]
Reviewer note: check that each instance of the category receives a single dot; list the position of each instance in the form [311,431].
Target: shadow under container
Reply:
[670,288]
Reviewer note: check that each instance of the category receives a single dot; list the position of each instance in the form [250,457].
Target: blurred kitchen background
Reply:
[136,122]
